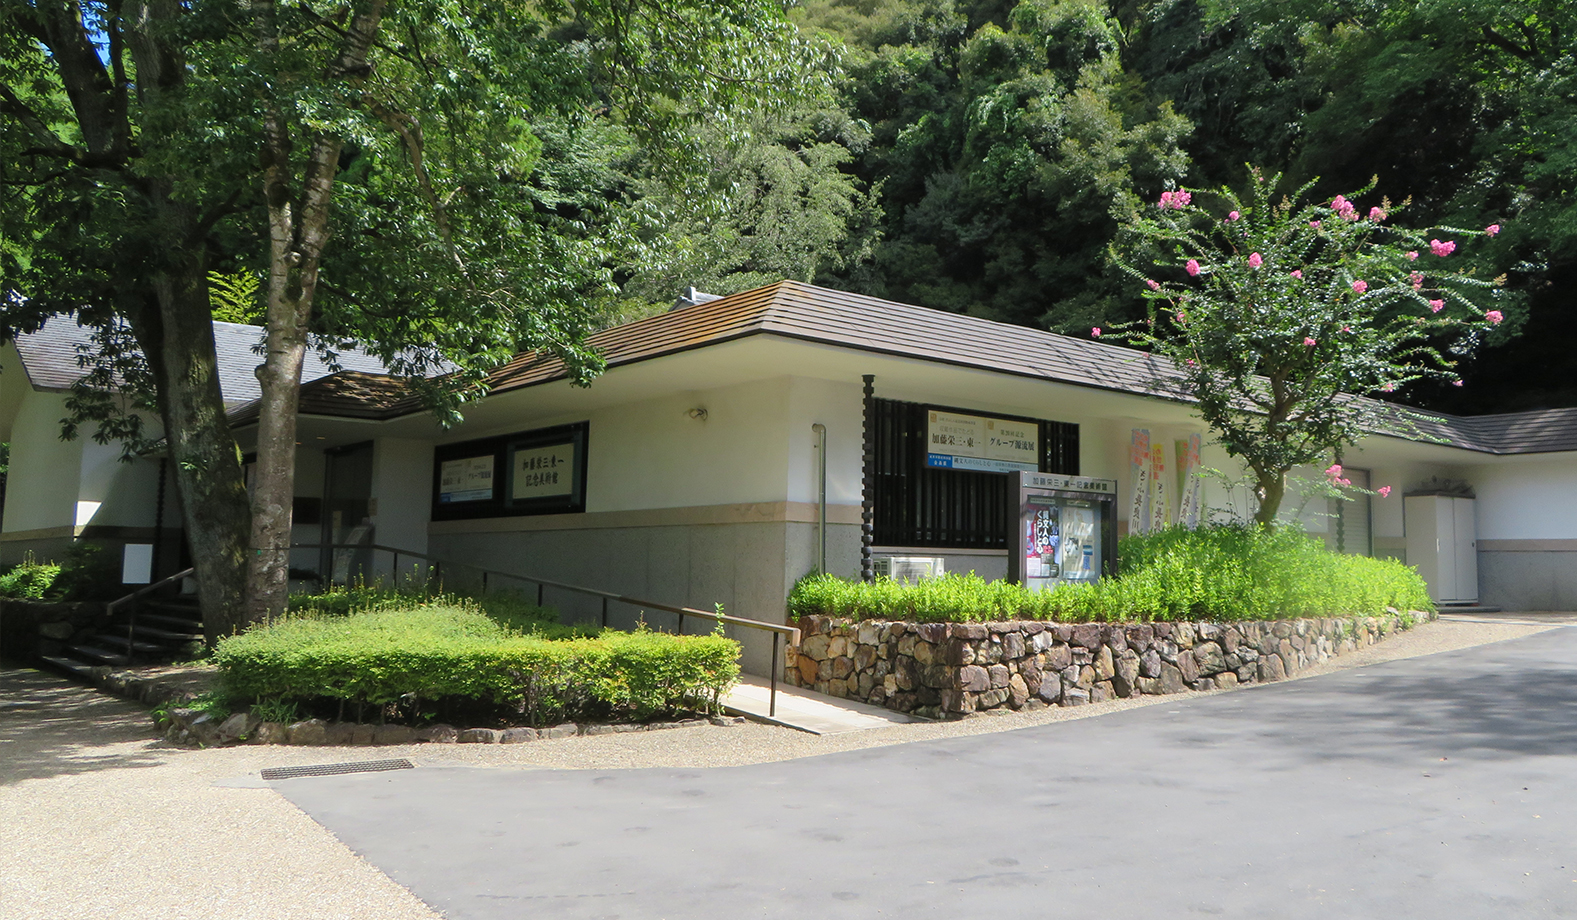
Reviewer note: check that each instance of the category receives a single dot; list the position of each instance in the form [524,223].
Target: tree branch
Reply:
[1506,44]
[52,144]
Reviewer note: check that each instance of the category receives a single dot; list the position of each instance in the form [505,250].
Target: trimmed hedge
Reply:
[1213,574]
[403,661]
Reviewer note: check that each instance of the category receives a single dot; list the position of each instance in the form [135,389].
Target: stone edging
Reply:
[183,725]
[954,670]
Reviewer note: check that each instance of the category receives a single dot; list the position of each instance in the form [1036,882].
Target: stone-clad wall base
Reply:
[951,670]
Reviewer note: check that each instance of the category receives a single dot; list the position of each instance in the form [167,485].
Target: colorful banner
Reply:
[1190,484]
[1139,481]
[1160,491]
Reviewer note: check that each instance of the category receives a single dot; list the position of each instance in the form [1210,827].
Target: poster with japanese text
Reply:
[543,472]
[1160,492]
[1190,483]
[1139,481]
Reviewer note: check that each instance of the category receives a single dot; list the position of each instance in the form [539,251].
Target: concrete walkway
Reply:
[1441,787]
[816,713]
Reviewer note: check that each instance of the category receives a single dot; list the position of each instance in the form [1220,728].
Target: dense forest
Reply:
[981,156]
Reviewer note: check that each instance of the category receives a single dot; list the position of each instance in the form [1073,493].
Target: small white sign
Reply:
[544,472]
[136,564]
[466,480]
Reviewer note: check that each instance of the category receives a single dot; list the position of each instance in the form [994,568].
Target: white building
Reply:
[689,472]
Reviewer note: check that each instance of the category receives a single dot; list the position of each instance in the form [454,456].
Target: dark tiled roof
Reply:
[801,311]
[50,357]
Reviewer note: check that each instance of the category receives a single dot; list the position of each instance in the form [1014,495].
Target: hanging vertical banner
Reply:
[1139,481]
[1160,490]
[1190,485]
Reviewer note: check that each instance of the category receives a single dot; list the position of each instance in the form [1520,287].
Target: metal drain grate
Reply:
[335,769]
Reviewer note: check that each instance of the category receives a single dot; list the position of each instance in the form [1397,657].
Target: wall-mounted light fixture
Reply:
[698,413]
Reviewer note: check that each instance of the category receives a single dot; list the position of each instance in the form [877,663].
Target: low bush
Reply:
[29,579]
[421,662]
[1216,573]
[509,609]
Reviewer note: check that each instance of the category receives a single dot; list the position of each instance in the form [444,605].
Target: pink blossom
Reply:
[1315,224]
[1494,317]
[1180,199]
[1095,332]
[1235,215]
[1412,255]
[1389,388]
[1192,267]
[1340,203]
[1297,273]
[1182,317]
[1189,362]
[1385,491]
[1416,277]
[1435,305]
[1334,470]
[1456,383]
[1360,286]
[1346,328]
[1344,482]
[1255,260]
[1308,341]
[1377,214]
[1442,249]
[1154,285]
[1165,202]
[1492,229]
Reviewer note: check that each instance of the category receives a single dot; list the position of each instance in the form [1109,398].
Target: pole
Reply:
[772,697]
[821,501]
[868,470]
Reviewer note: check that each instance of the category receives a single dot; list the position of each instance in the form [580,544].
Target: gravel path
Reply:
[100,818]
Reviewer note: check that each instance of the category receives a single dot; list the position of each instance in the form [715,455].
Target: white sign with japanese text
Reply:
[466,480]
[972,442]
[544,472]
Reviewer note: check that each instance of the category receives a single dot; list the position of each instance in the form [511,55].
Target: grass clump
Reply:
[1216,573]
[461,661]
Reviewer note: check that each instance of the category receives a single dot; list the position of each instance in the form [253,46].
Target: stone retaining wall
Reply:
[950,670]
[30,628]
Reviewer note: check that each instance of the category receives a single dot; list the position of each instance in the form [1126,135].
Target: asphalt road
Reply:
[1440,787]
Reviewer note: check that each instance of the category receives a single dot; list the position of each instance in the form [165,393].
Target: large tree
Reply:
[143,144]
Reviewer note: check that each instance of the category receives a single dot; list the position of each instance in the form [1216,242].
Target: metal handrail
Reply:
[139,594]
[779,631]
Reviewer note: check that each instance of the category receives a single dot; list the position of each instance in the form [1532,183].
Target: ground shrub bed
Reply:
[416,661]
[89,573]
[1212,574]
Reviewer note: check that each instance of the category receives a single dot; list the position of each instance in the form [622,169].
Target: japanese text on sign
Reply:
[971,442]
[466,480]
[542,472]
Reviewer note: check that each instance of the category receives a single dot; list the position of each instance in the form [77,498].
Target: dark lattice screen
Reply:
[959,509]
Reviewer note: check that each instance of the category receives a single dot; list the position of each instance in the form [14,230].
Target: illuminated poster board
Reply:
[468,479]
[1064,529]
[978,442]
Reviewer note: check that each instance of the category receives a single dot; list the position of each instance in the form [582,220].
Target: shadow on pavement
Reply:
[50,726]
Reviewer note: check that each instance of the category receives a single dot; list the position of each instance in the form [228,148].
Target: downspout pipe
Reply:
[821,500]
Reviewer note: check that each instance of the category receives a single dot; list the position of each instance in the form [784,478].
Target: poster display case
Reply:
[1064,529]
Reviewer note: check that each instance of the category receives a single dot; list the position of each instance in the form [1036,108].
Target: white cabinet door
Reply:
[1444,587]
[1465,548]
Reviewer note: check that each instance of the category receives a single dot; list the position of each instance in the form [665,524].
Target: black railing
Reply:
[778,631]
[134,601]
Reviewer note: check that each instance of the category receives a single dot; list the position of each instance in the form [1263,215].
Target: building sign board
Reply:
[543,472]
[469,479]
[1064,529]
[981,443]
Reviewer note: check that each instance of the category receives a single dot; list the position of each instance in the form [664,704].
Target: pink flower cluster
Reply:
[1377,214]
[1095,332]
[1177,200]
[1492,229]
[1153,285]
[1192,267]
[1255,260]
[1494,317]
[1297,273]
[1360,285]
[1309,341]
[1412,255]
[1435,305]
[1233,215]
[1442,249]
[1385,491]
[1334,474]
[1418,280]
[1344,208]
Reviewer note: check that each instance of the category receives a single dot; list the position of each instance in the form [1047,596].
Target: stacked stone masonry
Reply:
[951,670]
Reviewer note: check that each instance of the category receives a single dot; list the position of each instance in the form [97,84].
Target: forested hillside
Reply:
[981,155]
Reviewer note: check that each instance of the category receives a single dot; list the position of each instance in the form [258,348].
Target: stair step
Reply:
[72,666]
[121,643]
[177,636]
[173,624]
[91,654]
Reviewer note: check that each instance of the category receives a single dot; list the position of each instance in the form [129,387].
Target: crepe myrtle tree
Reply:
[1279,314]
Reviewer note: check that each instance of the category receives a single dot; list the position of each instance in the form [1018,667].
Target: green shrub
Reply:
[1216,573]
[404,661]
[29,579]
[510,609]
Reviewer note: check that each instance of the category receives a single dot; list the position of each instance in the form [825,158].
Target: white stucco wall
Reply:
[1526,498]
[45,472]
[402,483]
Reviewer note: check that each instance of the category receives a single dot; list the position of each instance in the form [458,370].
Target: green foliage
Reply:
[236,297]
[405,659]
[1212,574]
[1274,311]
[510,609]
[29,579]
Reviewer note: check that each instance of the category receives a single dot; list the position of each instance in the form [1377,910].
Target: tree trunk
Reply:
[1269,488]
[177,335]
[298,228]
